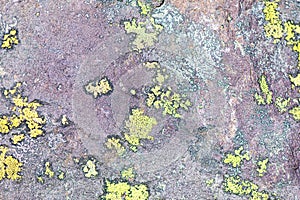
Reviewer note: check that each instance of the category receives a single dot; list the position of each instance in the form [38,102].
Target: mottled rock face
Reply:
[149,99]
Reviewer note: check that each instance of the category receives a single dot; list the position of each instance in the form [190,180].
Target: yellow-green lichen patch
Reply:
[138,127]
[295,80]
[295,112]
[144,36]
[49,173]
[209,182]
[236,159]
[152,65]
[89,168]
[10,39]
[65,121]
[24,112]
[144,7]
[100,87]
[273,28]
[15,139]
[168,100]
[133,92]
[262,167]
[291,30]
[40,179]
[4,125]
[61,175]
[235,185]
[114,143]
[10,167]
[120,190]
[266,97]
[276,29]
[48,170]
[128,173]
[282,104]
[160,76]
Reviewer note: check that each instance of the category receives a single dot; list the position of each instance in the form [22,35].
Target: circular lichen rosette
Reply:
[148,104]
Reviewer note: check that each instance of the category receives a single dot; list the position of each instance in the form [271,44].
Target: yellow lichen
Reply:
[138,127]
[145,8]
[18,138]
[128,173]
[64,120]
[295,112]
[10,167]
[10,39]
[267,95]
[295,81]
[89,168]
[237,158]
[168,100]
[35,132]
[48,170]
[291,30]
[13,167]
[99,87]
[4,125]
[235,185]
[25,112]
[61,175]
[273,27]
[143,36]
[259,99]
[209,182]
[282,104]
[15,121]
[151,65]
[133,92]
[124,191]
[114,143]
[262,167]
[40,179]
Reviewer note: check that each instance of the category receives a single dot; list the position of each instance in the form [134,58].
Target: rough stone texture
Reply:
[213,51]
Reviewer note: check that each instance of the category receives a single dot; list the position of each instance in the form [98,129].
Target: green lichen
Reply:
[236,159]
